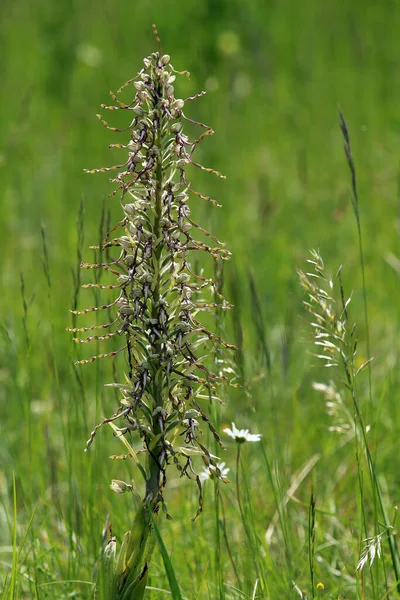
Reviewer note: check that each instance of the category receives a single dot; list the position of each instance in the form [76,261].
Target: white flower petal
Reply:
[229,432]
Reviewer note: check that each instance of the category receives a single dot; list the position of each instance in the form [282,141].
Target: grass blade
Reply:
[173,583]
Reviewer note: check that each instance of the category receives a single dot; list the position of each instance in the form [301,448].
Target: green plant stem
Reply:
[153,482]
[374,481]
[311,541]
[376,486]
[355,203]
[248,534]
[365,302]
[223,523]
[280,507]
[372,473]
[218,565]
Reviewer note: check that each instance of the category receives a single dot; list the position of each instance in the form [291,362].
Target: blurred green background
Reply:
[275,72]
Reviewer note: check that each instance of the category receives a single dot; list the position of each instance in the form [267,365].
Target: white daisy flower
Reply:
[242,435]
[211,471]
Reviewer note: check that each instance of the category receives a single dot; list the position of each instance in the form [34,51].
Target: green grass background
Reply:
[275,73]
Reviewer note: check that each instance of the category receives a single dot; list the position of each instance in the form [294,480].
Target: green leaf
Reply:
[173,583]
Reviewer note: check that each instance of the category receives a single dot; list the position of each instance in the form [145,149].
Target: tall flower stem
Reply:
[242,514]
[227,544]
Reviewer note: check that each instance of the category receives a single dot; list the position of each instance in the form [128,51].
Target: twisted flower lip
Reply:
[242,435]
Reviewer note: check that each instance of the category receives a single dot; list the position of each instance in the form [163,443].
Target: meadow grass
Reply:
[313,489]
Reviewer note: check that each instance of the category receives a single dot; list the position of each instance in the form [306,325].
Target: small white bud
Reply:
[164,76]
[143,96]
[129,260]
[186,227]
[120,487]
[123,279]
[139,85]
[138,110]
[176,127]
[178,104]
[181,163]
[136,293]
[192,414]
[129,210]
[125,242]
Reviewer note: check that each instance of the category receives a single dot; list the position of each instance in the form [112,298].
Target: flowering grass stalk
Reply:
[157,302]
[336,342]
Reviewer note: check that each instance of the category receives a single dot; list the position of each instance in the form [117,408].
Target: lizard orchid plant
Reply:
[158,299]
